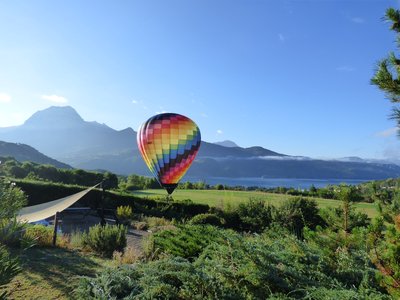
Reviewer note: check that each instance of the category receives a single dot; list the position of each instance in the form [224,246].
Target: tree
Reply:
[387,75]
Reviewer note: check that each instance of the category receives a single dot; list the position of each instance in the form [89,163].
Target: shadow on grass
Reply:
[57,268]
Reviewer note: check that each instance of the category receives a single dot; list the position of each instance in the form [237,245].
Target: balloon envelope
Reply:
[168,143]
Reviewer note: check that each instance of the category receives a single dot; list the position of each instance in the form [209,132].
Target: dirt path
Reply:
[135,237]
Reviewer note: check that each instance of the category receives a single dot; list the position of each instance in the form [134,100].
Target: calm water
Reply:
[274,182]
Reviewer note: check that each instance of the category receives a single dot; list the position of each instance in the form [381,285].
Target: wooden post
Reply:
[103,218]
[55,229]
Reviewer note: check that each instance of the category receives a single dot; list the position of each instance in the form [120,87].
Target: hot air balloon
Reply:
[168,143]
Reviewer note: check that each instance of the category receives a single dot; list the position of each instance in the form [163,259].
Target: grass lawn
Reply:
[52,273]
[225,198]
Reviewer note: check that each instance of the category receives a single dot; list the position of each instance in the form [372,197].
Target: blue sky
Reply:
[291,76]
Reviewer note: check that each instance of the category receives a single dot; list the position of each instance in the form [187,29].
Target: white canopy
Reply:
[45,210]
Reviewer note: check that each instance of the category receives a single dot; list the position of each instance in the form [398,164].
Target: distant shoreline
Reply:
[301,183]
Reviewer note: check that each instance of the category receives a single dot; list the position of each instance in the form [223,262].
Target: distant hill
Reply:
[226,143]
[60,132]
[22,153]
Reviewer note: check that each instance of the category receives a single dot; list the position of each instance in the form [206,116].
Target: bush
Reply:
[186,241]
[297,213]
[9,267]
[153,224]
[254,215]
[156,222]
[12,233]
[203,219]
[40,234]
[12,200]
[267,266]
[124,213]
[104,240]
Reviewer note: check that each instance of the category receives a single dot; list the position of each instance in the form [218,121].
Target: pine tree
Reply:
[387,75]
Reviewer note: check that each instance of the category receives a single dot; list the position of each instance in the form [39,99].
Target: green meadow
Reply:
[229,198]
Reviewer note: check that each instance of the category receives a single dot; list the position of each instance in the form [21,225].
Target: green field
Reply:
[225,198]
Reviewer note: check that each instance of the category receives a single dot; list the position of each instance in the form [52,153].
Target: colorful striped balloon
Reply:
[168,143]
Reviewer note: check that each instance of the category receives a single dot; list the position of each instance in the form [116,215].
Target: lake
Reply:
[297,183]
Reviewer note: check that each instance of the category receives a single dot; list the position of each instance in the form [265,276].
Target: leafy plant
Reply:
[203,219]
[254,215]
[297,213]
[124,213]
[12,200]
[104,240]
[9,267]
[41,235]
[186,241]
[12,233]
[274,265]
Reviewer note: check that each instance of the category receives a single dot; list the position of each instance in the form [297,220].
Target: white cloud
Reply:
[345,69]
[357,20]
[387,133]
[281,37]
[5,98]
[139,102]
[55,99]
[219,131]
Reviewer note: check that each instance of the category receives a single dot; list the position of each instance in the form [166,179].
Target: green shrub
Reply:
[186,241]
[40,234]
[12,233]
[104,240]
[9,267]
[274,265]
[255,216]
[124,213]
[297,213]
[203,219]
[156,222]
[173,278]
[12,200]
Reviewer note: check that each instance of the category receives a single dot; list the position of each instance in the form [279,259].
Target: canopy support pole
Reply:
[55,229]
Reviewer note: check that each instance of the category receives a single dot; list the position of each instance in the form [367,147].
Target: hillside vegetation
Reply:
[208,242]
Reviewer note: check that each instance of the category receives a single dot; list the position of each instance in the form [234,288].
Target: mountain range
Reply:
[227,143]
[61,133]
[22,153]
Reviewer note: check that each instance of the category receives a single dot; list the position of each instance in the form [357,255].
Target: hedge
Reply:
[40,192]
